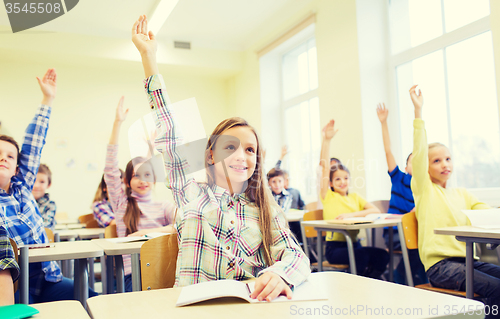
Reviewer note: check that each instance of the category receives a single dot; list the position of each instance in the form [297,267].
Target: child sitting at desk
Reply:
[338,203]
[9,269]
[103,212]
[19,214]
[440,206]
[46,206]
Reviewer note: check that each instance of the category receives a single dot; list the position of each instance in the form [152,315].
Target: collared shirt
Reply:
[219,235]
[297,202]
[284,200]
[7,257]
[401,195]
[103,213]
[18,208]
[47,209]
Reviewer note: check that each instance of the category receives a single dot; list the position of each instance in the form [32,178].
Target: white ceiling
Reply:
[220,24]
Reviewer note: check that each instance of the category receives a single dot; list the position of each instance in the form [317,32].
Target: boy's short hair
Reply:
[274,173]
[44,169]
[12,141]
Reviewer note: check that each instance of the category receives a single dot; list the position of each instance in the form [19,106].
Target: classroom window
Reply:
[459,86]
[301,117]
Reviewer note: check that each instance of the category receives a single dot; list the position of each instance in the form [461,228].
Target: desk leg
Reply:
[319,250]
[24,276]
[81,281]
[109,274]
[120,275]
[104,275]
[469,269]
[406,259]
[350,249]
[91,272]
[391,254]
[136,273]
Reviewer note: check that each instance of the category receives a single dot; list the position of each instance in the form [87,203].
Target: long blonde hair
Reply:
[256,190]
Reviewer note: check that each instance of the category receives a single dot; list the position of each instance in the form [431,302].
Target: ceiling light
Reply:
[160,15]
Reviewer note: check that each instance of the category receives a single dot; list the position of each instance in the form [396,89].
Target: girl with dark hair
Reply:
[136,214]
[338,203]
[229,227]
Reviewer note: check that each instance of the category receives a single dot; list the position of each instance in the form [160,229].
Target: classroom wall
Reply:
[83,113]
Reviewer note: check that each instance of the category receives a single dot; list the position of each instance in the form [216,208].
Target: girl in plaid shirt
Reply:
[103,212]
[229,227]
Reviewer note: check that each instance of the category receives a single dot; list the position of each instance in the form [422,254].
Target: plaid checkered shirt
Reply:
[219,235]
[103,213]
[7,257]
[18,208]
[47,209]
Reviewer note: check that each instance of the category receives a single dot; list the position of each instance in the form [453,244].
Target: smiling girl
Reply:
[440,206]
[136,214]
[339,203]
[229,227]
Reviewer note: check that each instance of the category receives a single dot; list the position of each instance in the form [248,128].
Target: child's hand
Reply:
[329,131]
[382,112]
[121,114]
[144,41]
[344,216]
[284,151]
[269,286]
[48,85]
[416,98]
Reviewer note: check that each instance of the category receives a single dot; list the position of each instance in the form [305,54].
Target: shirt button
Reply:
[228,247]
[232,222]
[231,264]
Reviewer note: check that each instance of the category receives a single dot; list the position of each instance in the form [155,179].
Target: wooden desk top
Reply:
[60,310]
[375,224]
[113,249]
[67,221]
[66,234]
[68,226]
[469,231]
[295,215]
[345,292]
[83,233]
[66,250]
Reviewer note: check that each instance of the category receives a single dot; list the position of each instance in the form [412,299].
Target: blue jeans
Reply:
[449,273]
[128,283]
[370,262]
[55,291]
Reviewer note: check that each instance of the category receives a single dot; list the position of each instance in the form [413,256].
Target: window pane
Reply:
[300,70]
[428,73]
[291,72]
[313,65]
[474,112]
[425,20]
[458,13]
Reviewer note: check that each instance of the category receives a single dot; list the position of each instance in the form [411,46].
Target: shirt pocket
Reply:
[250,239]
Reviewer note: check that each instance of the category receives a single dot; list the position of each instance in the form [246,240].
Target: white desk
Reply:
[60,310]
[116,250]
[78,250]
[470,235]
[321,225]
[68,226]
[295,215]
[344,291]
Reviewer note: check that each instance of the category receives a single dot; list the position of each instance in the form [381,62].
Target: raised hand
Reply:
[121,113]
[48,85]
[284,151]
[418,100]
[329,130]
[382,112]
[143,40]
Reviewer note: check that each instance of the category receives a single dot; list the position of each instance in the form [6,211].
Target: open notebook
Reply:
[370,218]
[136,238]
[484,218]
[309,290]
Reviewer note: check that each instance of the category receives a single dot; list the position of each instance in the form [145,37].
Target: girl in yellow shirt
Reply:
[338,203]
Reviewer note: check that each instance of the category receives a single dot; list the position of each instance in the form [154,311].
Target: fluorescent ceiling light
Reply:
[160,15]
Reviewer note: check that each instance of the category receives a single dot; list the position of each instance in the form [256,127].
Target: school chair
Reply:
[410,230]
[158,262]
[88,220]
[110,231]
[16,255]
[309,232]
[50,235]
[61,216]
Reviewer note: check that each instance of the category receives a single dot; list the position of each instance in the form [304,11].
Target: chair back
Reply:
[50,235]
[158,262]
[61,216]
[110,231]
[383,205]
[410,230]
[89,220]
[309,231]
[311,206]
[16,255]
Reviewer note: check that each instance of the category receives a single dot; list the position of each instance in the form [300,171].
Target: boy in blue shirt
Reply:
[19,211]
[401,202]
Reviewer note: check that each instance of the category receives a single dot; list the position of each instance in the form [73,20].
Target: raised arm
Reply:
[383,113]
[167,139]
[420,160]
[284,151]
[328,133]
[36,132]
[111,170]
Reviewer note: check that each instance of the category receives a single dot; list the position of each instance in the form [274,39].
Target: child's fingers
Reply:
[144,26]
[260,283]
[276,292]
[151,35]
[135,27]
[271,285]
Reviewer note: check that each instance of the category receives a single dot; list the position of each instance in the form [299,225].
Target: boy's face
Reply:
[8,163]
[440,165]
[277,184]
[41,185]
[409,167]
